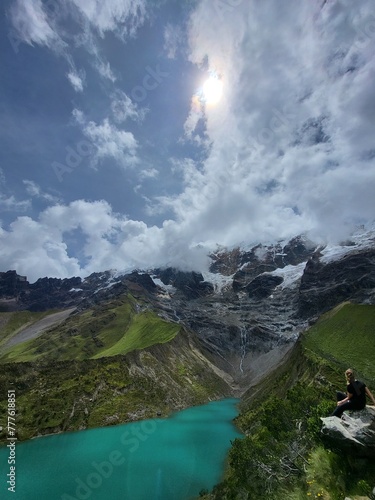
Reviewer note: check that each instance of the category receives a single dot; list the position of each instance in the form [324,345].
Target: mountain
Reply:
[172,338]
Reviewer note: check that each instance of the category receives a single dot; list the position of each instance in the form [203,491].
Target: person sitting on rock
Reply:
[355,397]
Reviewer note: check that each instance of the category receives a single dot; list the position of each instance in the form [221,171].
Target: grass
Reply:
[145,330]
[12,322]
[76,394]
[283,456]
[346,336]
[117,327]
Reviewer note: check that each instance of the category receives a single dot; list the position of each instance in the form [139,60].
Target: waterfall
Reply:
[178,319]
[243,335]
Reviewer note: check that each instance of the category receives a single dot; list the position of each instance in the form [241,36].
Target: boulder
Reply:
[354,433]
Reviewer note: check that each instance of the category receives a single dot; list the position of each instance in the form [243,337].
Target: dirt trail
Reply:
[36,329]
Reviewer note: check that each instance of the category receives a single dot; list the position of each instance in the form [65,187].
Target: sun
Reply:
[212,90]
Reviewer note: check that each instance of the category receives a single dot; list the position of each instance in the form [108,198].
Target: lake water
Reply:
[161,459]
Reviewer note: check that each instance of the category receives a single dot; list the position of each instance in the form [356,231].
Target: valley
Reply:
[118,348]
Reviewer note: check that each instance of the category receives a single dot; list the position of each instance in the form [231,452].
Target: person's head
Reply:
[349,374]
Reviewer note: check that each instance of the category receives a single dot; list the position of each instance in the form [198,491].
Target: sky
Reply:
[136,134]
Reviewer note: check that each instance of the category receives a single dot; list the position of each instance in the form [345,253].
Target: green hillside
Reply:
[12,322]
[116,327]
[113,363]
[283,456]
[346,336]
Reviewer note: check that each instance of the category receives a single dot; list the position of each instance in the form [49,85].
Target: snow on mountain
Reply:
[219,281]
[360,240]
[290,274]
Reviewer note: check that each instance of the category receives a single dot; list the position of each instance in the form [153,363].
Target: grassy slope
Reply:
[115,328]
[12,322]
[282,456]
[114,363]
[71,395]
[346,336]
[144,331]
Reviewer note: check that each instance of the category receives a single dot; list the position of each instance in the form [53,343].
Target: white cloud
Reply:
[121,16]
[173,37]
[40,22]
[104,69]
[294,127]
[34,190]
[150,173]
[123,107]
[109,141]
[36,250]
[32,25]
[76,80]
[288,149]
[11,204]
[8,202]
[39,248]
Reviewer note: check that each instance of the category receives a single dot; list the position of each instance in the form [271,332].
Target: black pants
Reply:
[346,406]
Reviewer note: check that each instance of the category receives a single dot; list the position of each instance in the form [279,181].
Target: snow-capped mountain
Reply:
[250,305]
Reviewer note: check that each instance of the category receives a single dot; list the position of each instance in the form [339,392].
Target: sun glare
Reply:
[212,90]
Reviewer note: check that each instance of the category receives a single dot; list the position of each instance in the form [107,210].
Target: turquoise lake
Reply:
[161,459]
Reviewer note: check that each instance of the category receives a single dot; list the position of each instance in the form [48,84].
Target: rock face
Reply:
[262,286]
[265,259]
[354,433]
[325,285]
[191,284]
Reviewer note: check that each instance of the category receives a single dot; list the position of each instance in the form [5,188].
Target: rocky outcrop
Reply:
[354,433]
[142,280]
[263,259]
[263,286]
[191,284]
[46,293]
[12,284]
[50,293]
[325,285]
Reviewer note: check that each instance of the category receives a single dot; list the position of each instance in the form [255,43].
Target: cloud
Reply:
[104,69]
[173,36]
[11,204]
[124,108]
[109,141]
[294,126]
[40,247]
[35,191]
[44,23]
[31,24]
[8,202]
[288,149]
[76,80]
[150,173]
[121,16]
[36,250]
